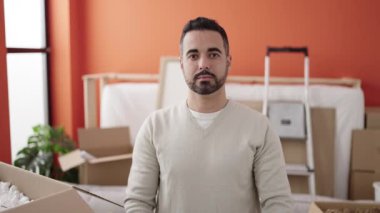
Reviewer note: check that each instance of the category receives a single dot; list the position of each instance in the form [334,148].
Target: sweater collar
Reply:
[220,116]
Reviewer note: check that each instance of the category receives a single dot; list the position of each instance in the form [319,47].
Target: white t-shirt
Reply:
[205,119]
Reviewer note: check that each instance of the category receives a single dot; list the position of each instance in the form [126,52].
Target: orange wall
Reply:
[130,36]
[5,147]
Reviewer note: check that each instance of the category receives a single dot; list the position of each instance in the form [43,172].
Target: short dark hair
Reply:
[202,23]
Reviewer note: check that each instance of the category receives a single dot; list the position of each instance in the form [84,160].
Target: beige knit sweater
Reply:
[235,165]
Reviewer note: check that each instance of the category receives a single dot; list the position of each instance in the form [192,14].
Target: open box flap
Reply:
[110,158]
[71,160]
[48,195]
[75,158]
[31,184]
[102,142]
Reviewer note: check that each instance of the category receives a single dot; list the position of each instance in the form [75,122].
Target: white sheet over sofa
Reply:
[128,104]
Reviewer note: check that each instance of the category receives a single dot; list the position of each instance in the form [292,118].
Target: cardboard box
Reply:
[372,118]
[365,154]
[113,156]
[323,126]
[320,207]
[361,185]
[48,195]
[365,167]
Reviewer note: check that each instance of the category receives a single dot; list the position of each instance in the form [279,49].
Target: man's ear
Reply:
[181,62]
[229,59]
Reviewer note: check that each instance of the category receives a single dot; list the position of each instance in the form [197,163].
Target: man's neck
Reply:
[207,103]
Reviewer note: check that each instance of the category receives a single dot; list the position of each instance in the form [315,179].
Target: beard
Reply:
[209,86]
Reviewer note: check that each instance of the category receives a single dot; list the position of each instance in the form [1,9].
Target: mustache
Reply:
[204,72]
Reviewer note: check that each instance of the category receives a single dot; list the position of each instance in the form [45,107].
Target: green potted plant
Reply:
[42,151]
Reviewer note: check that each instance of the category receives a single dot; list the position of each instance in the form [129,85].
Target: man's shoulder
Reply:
[246,109]
[245,113]
[167,112]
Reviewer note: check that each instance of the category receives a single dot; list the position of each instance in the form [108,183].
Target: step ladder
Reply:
[296,169]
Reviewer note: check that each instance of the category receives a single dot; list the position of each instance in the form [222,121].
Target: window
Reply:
[27,70]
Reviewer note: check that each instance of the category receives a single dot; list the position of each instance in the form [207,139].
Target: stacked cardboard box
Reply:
[372,119]
[112,150]
[365,157]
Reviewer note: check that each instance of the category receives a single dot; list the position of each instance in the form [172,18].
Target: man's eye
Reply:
[214,55]
[193,57]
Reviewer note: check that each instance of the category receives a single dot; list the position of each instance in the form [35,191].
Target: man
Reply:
[208,154]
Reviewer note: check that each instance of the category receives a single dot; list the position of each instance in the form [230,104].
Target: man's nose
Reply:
[204,63]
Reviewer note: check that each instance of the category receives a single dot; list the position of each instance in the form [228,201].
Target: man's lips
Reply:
[205,77]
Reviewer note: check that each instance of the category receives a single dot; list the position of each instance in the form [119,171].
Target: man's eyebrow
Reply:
[214,49]
[192,51]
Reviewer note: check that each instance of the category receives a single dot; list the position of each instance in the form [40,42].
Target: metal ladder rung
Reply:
[298,169]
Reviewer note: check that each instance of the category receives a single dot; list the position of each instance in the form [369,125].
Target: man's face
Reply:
[204,61]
